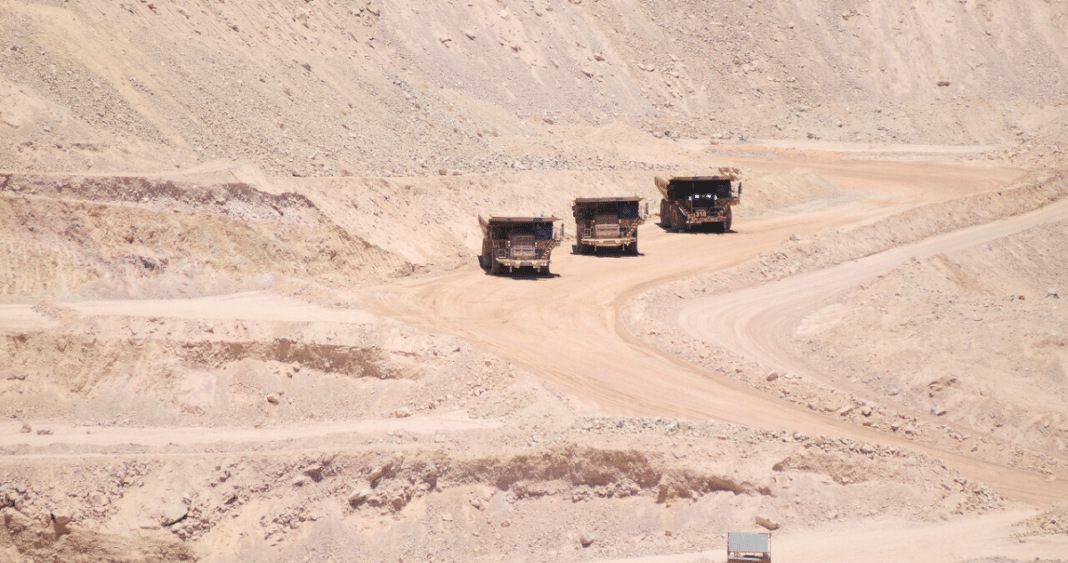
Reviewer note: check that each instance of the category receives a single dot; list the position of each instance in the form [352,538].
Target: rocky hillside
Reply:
[398,87]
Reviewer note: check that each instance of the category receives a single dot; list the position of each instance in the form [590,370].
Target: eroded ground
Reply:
[219,407]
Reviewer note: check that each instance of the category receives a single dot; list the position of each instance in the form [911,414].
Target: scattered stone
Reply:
[44,432]
[772,376]
[1053,292]
[403,412]
[766,523]
[173,513]
[97,498]
[587,538]
[26,428]
[273,399]
[379,471]
[60,524]
[315,472]
[359,496]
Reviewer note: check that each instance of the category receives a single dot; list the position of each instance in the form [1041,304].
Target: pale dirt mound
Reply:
[785,189]
[1053,521]
[82,237]
[911,336]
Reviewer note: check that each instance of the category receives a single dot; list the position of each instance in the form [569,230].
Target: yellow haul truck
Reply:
[510,243]
[692,201]
[607,222]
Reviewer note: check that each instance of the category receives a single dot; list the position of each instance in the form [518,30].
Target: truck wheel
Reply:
[727,223]
[633,250]
[665,215]
[544,270]
[495,267]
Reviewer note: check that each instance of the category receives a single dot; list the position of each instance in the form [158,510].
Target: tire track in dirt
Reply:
[752,321]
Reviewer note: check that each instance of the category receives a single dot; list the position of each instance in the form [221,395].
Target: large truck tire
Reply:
[679,219]
[727,223]
[486,259]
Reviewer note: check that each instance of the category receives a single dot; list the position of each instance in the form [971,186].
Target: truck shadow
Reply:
[521,274]
[605,252]
[709,228]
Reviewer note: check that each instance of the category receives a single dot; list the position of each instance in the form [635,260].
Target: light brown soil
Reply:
[241,317]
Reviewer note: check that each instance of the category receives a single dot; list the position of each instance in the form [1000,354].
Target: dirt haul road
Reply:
[565,328]
[569,330]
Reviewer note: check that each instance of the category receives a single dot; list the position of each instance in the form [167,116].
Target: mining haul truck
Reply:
[748,548]
[692,201]
[510,243]
[607,222]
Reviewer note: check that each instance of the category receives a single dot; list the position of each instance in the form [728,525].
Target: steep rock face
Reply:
[400,87]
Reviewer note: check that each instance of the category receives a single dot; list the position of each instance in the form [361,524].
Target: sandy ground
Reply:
[241,317]
[560,359]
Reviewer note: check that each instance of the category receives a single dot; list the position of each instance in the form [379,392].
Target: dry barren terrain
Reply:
[242,319]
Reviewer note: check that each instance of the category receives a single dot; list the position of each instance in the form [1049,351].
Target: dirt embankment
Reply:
[401,88]
[601,487]
[924,323]
[923,365]
[115,237]
[165,371]
[829,248]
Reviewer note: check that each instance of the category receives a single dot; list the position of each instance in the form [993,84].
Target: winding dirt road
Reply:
[565,328]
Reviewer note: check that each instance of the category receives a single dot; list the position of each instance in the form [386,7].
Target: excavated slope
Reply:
[396,87]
